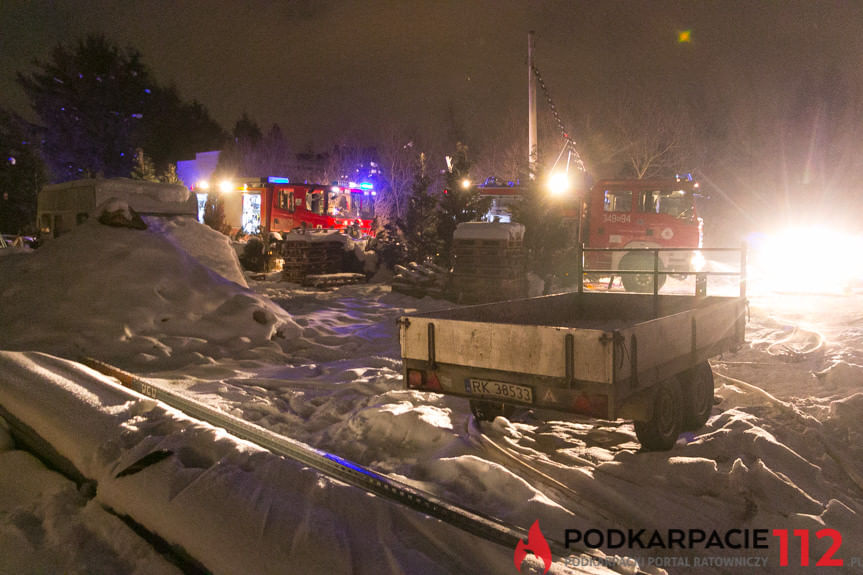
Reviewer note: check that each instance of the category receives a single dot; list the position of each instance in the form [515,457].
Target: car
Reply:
[17,241]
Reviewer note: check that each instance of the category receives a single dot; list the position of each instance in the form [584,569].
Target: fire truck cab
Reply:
[646,213]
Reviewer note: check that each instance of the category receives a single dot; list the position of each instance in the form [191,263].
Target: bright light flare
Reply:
[558,184]
[203,185]
[806,260]
[465,183]
[226,186]
[698,262]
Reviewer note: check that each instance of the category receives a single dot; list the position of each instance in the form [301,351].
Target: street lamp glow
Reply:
[558,183]
[226,186]
[465,183]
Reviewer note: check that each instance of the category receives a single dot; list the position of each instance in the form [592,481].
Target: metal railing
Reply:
[657,271]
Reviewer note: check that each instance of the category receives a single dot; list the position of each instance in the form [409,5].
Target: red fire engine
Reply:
[276,205]
[646,213]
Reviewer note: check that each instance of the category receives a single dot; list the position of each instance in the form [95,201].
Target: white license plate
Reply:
[510,391]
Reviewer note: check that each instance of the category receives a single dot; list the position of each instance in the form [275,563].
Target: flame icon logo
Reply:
[537,545]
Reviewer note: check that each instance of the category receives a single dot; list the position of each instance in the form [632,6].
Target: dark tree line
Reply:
[97,104]
[22,174]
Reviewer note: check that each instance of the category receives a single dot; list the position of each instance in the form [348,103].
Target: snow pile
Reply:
[53,527]
[209,247]
[163,297]
[232,506]
[782,449]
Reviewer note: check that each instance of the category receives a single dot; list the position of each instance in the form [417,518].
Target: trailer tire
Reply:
[697,396]
[488,410]
[660,432]
[640,283]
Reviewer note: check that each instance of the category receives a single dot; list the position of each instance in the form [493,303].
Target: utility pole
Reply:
[531,104]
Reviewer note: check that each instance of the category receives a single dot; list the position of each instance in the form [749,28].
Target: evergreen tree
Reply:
[173,129]
[22,174]
[460,202]
[169,176]
[97,103]
[546,238]
[419,226]
[251,153]
[143,168]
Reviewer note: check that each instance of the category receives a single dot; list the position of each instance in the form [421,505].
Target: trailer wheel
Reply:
[488,410]
[697,396]
[640,283]
[661,431]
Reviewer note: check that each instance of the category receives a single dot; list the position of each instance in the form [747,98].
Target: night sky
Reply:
[324,69]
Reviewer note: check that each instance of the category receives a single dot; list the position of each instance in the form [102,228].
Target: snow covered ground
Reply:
[781,451]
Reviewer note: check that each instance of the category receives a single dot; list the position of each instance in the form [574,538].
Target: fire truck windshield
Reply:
[675,203]
[350,204]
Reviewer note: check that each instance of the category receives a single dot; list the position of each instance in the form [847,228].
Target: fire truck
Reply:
[647,213]
[273,204]
[628,214]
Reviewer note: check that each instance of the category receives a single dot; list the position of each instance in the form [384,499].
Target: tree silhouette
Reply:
[97,103]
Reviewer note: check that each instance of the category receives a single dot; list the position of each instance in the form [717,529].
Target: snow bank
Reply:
[56,529]
[209,247]
[230,505]
[146,298]
[53,527]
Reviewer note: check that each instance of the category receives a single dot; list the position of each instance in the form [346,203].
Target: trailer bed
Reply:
[571,351]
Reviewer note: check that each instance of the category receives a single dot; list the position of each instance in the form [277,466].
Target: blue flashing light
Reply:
[351,465]
[278,180]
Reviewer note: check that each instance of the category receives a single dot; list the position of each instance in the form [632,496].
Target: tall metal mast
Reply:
[531,104]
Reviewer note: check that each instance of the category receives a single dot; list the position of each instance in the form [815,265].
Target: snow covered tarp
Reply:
[230,505]
[145,197]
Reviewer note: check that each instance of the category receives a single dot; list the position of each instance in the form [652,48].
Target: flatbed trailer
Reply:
[607,355]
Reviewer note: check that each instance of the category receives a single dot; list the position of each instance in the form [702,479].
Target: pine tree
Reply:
[143,168]
[460,202]
[169,176]
[97,103]
[22,173]
[419,226]
[546,237]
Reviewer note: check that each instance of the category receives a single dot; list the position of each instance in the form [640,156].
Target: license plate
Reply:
[510,391]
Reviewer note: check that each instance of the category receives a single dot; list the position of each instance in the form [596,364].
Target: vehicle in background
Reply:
[267,205]
[61,207]
[647,213]
[622,215]
[18,241]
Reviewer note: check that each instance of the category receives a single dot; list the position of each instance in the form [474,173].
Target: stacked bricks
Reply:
[489,263]
[302,258]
